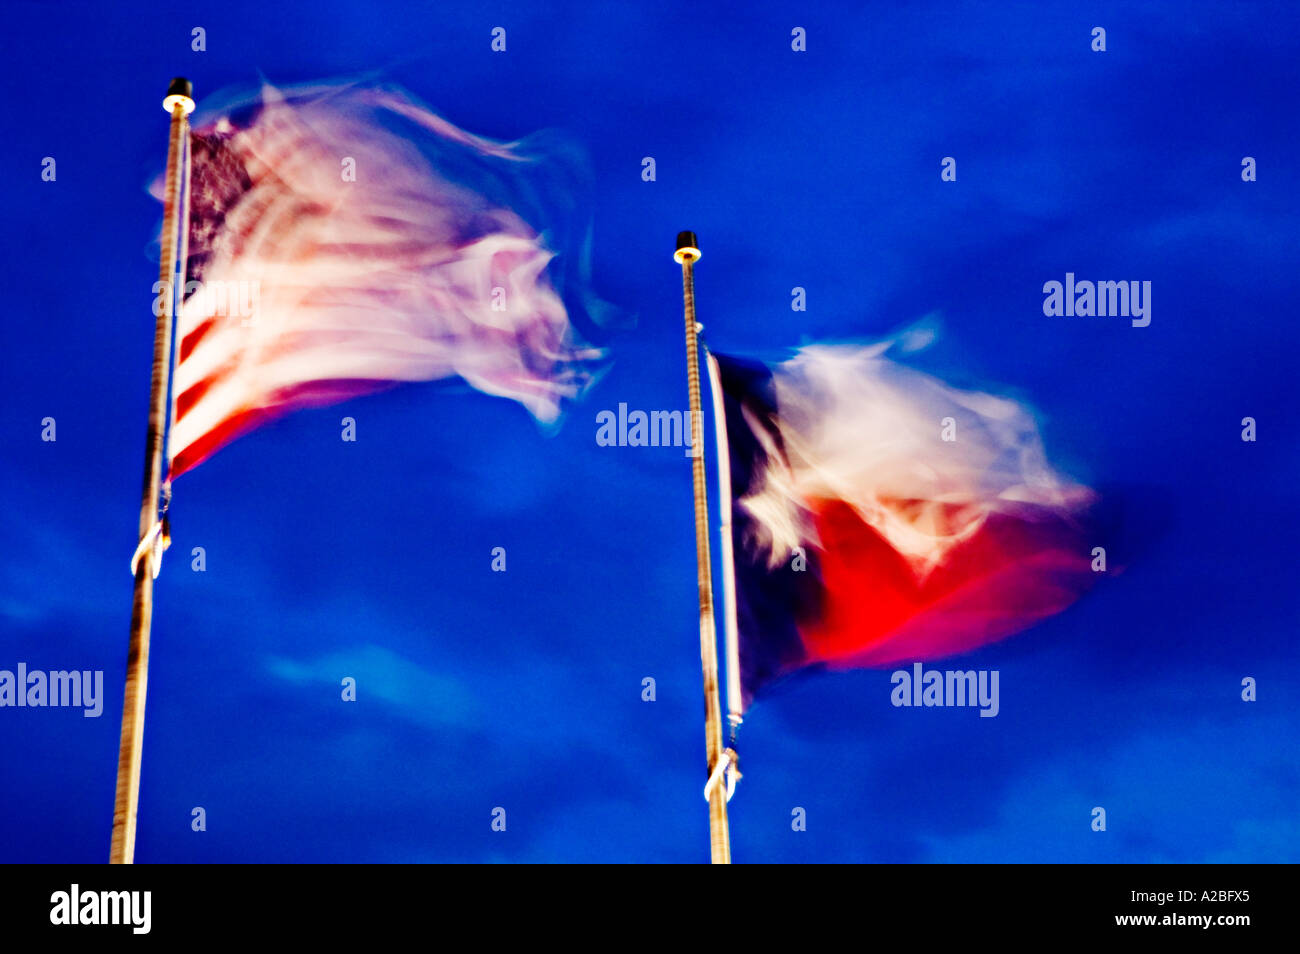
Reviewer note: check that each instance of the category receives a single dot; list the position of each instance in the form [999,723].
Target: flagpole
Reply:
[687,254]
[179,103]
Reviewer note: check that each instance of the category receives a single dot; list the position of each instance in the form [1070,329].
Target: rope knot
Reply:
[153,543]
[728,766]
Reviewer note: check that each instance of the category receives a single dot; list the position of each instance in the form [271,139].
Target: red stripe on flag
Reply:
[214,439]
[1007,576]
[191,396]
[192,339]
[306,394]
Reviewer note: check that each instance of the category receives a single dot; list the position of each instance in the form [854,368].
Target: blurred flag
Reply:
[879,516]
[344,238]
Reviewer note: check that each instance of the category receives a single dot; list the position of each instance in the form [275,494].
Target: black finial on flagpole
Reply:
[688,248]
[180,91]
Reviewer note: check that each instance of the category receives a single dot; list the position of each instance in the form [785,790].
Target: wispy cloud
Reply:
[416,693]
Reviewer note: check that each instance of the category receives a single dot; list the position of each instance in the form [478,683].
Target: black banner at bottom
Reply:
[334,903]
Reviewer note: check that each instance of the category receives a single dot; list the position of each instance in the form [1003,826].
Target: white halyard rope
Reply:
[153,544]
[728,765]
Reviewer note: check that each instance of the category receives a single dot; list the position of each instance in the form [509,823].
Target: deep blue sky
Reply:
[522,689]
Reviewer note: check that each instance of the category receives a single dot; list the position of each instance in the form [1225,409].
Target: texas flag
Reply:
[879,516]
[343,238]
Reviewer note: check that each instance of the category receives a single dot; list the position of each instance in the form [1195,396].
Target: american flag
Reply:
[342,240]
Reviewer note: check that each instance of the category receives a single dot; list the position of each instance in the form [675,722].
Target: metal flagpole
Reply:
[687,254]
[179,102]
